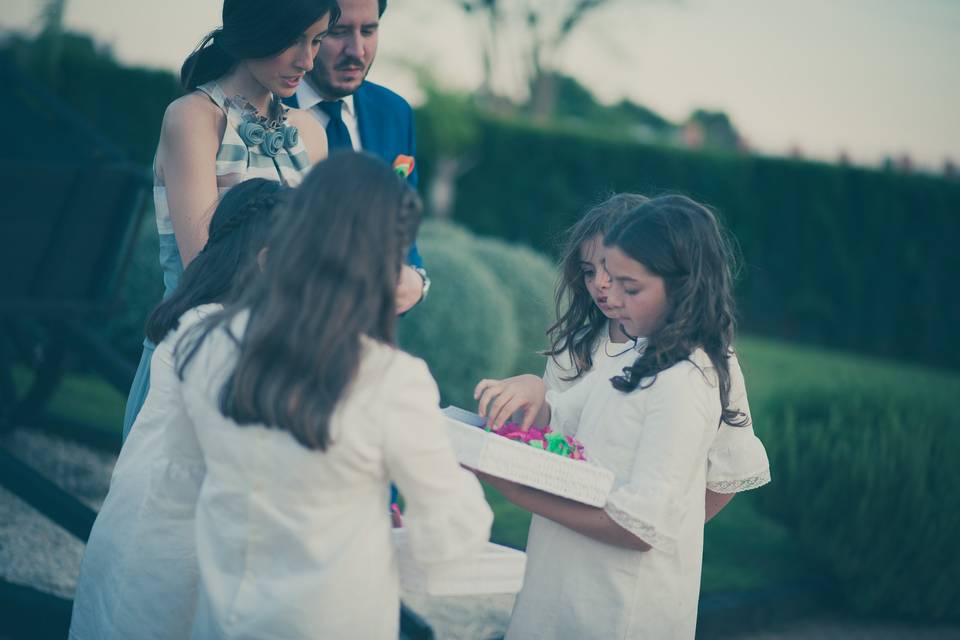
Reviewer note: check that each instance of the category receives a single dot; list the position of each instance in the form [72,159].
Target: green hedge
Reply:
[486,314]
[839,256]
[866,476]
[125,104]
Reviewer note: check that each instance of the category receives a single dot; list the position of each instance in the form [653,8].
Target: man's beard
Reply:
[325,84]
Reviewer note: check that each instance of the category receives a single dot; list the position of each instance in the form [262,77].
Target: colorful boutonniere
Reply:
[403,165]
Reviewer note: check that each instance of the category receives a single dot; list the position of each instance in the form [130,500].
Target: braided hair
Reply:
[255,206]
[238,231]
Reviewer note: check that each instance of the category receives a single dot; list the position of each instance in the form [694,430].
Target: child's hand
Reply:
[526,393]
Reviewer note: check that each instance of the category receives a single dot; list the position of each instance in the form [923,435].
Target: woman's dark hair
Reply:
[682,242]
[238,231]
[579,322]
[251,29]
[330,279]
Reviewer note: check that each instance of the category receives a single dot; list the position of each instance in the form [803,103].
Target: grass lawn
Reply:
[85,399]
[743,548]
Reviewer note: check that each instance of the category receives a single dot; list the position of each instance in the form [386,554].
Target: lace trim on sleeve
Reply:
[642,529]
[739,484]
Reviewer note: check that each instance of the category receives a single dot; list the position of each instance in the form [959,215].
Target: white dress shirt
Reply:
[308,98]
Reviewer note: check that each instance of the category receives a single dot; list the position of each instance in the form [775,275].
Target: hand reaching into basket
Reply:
[498,400]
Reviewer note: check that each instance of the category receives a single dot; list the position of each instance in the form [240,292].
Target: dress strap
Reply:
[216,94]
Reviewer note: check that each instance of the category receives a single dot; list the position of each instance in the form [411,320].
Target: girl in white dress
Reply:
[138,578]
[632,568]
[306,411]
[588,332]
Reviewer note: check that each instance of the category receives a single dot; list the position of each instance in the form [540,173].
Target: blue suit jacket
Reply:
[386,128]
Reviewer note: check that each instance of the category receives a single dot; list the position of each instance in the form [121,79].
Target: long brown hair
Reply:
[330,278]
[682,242]
[579,322]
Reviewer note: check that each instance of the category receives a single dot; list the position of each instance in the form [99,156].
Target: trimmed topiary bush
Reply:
[867,478]
[463,329]
[527,279]
[487,313]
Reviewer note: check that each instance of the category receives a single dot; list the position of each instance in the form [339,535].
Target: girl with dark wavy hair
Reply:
[138,578]
[586,324]
[306,411]
[231,126]
[632,568]
[588,332]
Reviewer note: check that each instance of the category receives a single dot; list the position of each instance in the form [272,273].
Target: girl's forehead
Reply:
[591,249]
[620,265]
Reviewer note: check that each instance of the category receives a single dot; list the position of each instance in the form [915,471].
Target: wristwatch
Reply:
[426,282]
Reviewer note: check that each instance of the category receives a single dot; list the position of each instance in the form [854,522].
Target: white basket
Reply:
[485,451]
[495,569]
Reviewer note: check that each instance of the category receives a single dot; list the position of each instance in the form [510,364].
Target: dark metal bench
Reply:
[70,209]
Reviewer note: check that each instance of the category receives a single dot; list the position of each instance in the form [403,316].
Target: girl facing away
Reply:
[632,568]
[306,411]
[230,127]
[588,332]
[138,578]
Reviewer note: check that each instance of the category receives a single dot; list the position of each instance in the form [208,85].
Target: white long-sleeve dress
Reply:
[657,441]
[737,461]
[296,543]
[138,577]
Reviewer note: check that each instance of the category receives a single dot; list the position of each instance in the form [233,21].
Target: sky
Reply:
[870,78]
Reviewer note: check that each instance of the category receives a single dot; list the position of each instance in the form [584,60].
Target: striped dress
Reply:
[235,163]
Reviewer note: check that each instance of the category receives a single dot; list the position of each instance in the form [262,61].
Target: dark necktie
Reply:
[338,136]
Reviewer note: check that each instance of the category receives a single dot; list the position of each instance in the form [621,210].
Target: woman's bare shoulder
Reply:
[192,113]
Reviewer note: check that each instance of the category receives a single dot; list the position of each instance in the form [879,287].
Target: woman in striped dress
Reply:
[231,126]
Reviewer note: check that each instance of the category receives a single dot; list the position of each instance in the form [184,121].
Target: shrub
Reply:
[526,279]
[866,477]
[487,313]
[463,329]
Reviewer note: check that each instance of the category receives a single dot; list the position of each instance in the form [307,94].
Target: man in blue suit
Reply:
[362,115]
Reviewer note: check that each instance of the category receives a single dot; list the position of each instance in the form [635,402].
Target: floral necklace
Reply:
[272,135]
